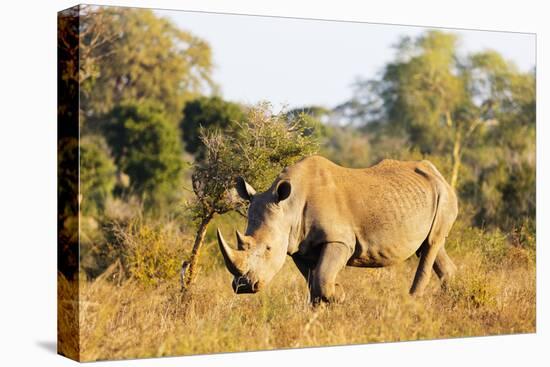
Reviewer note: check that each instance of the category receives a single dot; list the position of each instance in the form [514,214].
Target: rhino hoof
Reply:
[337,296]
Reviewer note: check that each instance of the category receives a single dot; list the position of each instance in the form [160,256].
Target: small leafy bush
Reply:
[152,253]
[524,236]
[492,245]
[474,289]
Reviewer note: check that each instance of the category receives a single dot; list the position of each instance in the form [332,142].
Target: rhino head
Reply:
[261,251]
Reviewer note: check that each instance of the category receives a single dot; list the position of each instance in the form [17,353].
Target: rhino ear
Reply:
[283,190]
[244,190]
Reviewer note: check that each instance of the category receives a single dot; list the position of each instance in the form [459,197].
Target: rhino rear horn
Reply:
[235,260]
[240,240]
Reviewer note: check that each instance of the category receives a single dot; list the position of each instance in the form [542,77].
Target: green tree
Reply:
[97,175]
[207,113]
[440,99]
[422,92]
[133,55]
[146,147]
[505,157]
[258,150]
[519,193]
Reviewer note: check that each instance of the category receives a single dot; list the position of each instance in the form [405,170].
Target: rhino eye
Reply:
[268,248]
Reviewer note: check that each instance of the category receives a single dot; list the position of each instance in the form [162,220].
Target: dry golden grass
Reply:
[494,293]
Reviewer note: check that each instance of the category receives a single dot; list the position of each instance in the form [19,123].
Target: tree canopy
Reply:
[211,113]
[133,55]
[146,147]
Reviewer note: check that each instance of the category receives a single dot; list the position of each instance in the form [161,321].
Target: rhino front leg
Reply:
[334,257]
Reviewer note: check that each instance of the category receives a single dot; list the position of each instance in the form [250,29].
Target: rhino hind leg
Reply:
[433,254]
[424,270]
[444,267]
[324,287]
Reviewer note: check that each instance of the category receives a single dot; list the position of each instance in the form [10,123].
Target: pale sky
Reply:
[298,62]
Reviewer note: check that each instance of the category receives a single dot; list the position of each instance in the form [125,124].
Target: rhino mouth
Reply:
[242,285]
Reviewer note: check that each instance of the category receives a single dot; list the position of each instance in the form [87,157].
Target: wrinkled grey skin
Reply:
[326,217]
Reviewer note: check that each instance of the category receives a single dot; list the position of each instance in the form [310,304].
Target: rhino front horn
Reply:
[234,259]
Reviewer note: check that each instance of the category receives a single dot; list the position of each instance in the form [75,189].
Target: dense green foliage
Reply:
[97,175]
[211,113]
[147,147]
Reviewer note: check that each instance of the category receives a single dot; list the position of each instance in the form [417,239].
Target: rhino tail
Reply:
[446,211]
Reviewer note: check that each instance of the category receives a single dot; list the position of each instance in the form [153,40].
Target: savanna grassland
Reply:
[493,293]
[150,151]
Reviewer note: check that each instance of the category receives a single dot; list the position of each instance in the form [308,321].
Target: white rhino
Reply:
[326,217]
